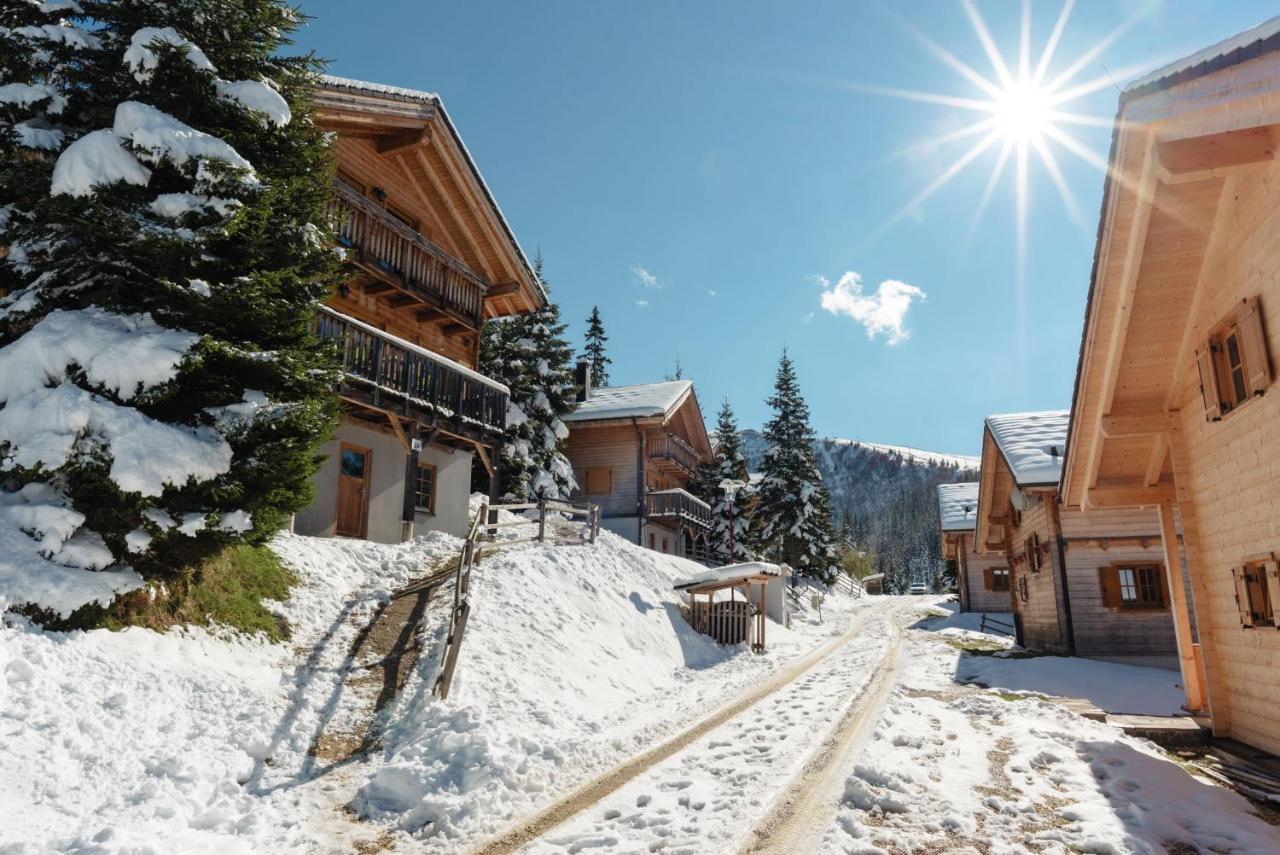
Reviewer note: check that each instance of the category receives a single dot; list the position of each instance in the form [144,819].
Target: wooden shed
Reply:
[1085,582]
[1175,408]
[873,584]
[982,578]
[730,603]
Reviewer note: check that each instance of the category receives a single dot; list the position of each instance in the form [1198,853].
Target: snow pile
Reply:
[1110,686]
[190,741]
[574,657]
[1032,443]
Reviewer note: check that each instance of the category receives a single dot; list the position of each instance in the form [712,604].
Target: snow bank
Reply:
[1109,686]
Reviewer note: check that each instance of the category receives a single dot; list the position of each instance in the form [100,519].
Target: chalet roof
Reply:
[1032,444]
[729,574]
[1250,44]
[638,401]
[334,83]
[958,506]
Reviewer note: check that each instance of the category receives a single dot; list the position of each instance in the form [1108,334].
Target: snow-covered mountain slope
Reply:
[199,741]
[754,445]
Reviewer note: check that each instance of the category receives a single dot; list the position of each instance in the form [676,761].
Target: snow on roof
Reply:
[958,506]
[1212,57]
[730,573]
[1032,443]
[398,92]
[638,401]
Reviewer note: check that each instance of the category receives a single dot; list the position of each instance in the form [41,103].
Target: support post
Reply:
[542,522]
[1181,615]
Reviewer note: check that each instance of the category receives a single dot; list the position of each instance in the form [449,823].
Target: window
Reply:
[652,541]
[1024,589]
[1232,362]
[1258,591]
[424,488]
[598,481]
[996,579]
[1134,586]
[1015,515]
[1032,546]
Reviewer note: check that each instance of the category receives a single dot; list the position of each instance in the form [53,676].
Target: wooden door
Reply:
[354,464]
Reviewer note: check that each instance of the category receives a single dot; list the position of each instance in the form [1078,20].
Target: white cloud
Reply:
[881,312]
[644,278]
[711,293]
[643,304]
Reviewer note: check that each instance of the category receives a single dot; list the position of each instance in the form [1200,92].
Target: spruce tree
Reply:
[793,511]
[730,465]
[595,351]
[162,197]
[529,353]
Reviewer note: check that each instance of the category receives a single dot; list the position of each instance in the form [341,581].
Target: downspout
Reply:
[640,514]
[1068,624]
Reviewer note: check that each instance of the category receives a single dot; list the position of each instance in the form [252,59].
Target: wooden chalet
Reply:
[429,257]
[982,578]
[1085,582]
[633,451]
[1175,407]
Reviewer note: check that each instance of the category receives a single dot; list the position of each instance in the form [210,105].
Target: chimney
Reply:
[582,379]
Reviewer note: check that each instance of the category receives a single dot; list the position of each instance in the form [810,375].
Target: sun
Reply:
[1023,112]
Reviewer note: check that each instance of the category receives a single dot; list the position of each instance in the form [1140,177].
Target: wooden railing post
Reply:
[542,522]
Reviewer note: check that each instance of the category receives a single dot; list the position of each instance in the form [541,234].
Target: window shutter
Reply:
[1164,585]
[1209,385]
[989,579]
[1254,344]
[1242,596]
[1272,569]
[1109,582]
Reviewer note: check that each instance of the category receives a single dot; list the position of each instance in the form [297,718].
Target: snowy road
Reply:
[705,788]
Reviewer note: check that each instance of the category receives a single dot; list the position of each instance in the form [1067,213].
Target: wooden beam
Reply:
[485,215]
[1144,196]
[407,139]
[1199,155]
[1129,497]
[377,286]
[502,289]
[399,431]
[463,230]
[1155,463]
[402,300]
[426,315]
[1141,425]
[483,454]
[1178,605]
[455,328]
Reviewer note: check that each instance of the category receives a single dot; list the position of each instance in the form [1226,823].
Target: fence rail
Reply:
[411,376]
[394,249]
[991,624]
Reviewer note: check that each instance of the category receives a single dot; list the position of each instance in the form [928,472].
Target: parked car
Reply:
[918,589]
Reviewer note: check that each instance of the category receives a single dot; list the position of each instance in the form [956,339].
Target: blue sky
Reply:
[698,170]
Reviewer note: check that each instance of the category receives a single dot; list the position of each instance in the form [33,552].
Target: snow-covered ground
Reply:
[954,768]
[199,741]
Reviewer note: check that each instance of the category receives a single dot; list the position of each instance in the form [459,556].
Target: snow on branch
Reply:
[142,60]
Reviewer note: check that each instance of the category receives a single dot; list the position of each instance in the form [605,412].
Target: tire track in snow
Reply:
[802,814]
[600,787]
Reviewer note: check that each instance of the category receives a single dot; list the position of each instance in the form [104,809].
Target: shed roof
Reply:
[638,401]
[1032,444]
[729,574]
[958,506]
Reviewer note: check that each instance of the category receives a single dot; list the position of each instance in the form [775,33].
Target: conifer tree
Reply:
[595,351]
[162,197]
[793,511]
[730,465]
[529,353]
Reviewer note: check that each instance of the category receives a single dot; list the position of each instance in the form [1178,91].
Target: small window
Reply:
[598,481]
[1258,591]
[997,579]
[1015,515]
[1024,589]
[1032,547]
[1232,363]
[1134,586]
[424,488]
[653,541]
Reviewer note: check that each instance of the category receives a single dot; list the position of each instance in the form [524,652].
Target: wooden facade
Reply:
[1065,563]
[982,578]
[637,469]
[429,258]
[1175,408]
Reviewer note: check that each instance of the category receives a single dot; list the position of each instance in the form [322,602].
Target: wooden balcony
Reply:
[677,506]
[396,376]
[427,278]
[670,451]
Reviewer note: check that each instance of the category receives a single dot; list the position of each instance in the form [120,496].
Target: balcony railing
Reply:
[392,248]
[671,448]
[677,504]
[399,376]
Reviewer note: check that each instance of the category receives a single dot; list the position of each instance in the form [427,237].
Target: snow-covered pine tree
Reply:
[793,510]
[595,352]
[730,465]
[162,196]
[530,354]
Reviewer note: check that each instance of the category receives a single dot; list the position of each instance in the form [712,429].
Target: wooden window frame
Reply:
[1032,549]
[1257,591]
[1112,577]
[586,481]
[417,494]
[1024,589]
[996,579]
[1232,362]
